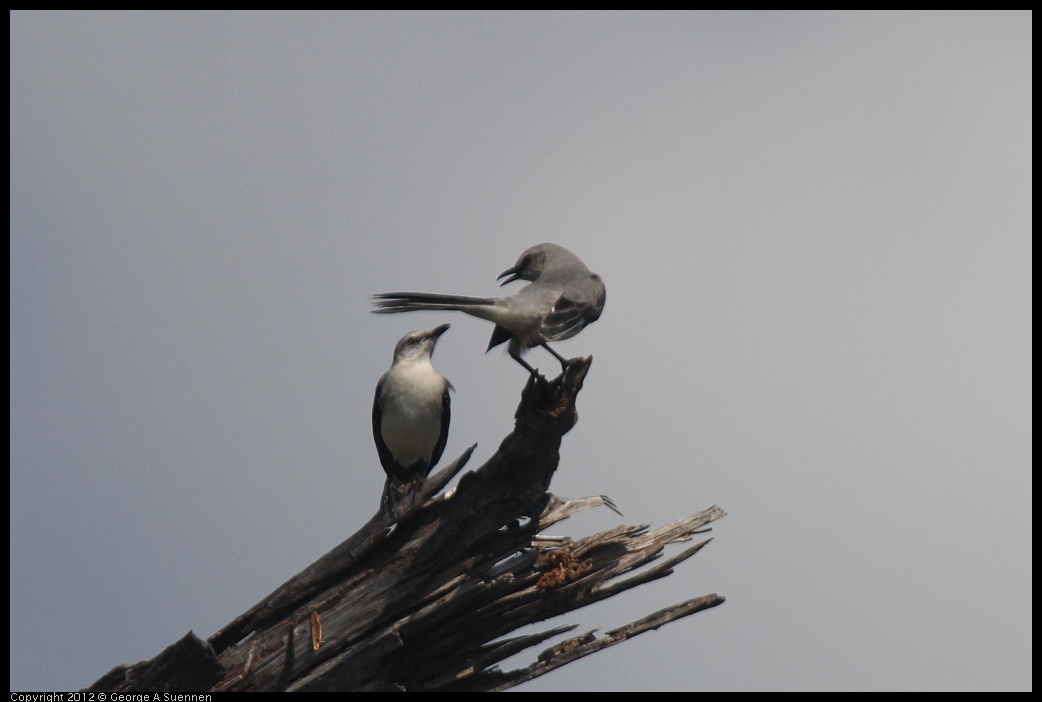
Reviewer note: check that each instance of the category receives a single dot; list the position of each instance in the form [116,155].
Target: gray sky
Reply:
[815,230]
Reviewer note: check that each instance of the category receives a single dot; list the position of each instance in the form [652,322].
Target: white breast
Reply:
[411,412]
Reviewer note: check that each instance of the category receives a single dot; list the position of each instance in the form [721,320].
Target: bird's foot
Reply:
[538,379]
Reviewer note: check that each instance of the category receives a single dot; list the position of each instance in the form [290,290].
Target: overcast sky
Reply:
[815,231]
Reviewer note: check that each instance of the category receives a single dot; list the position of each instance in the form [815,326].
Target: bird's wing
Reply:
[395,472]
[565,319]
[443,437]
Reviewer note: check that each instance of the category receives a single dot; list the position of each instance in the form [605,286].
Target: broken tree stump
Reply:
[428,603]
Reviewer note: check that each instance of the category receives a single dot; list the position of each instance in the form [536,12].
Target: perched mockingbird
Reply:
[563,297]
[410,416]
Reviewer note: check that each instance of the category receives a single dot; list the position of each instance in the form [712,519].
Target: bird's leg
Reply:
[559,357]
[516,355]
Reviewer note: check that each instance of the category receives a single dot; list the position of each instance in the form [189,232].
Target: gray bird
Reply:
[410,416]
[562,298]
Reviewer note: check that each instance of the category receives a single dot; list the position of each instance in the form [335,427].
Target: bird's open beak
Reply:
[512,272]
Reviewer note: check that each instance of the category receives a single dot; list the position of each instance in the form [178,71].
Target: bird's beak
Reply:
[512,272]
[439,330]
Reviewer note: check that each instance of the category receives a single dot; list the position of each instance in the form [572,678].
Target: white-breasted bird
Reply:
[410,416]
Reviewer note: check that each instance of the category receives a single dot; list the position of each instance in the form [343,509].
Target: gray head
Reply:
[539,258]
[418,344]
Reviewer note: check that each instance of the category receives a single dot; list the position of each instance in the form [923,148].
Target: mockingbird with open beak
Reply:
[562,298]
[410,417]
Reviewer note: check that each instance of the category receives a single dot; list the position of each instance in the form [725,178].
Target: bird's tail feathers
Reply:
[396,497]
[388,303]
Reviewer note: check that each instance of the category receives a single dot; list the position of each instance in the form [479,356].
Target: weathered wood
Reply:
[581,646]
[428,603]
[187,665]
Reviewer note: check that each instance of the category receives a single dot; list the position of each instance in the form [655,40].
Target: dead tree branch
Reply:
[428,603]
